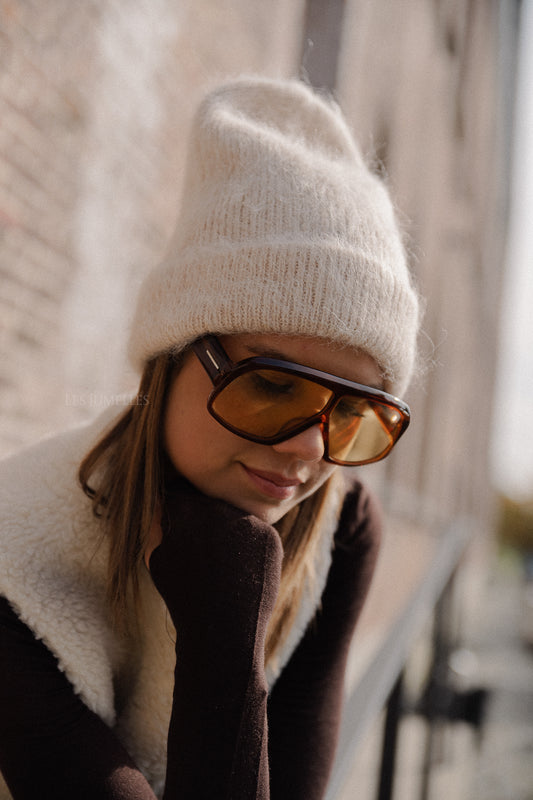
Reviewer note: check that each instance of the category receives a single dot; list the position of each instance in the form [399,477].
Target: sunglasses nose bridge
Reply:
[320,419]
[305,442]
[324,428]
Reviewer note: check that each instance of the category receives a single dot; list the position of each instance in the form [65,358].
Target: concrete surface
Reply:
[505,767]
[497,764]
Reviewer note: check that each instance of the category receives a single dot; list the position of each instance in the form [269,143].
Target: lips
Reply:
[273,477]
[273,484]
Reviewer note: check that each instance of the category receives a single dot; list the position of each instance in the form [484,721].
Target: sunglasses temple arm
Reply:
[213,357]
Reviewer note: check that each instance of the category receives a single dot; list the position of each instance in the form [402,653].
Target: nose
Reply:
[306,446]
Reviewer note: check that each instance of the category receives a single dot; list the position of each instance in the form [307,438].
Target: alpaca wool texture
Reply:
[283,229]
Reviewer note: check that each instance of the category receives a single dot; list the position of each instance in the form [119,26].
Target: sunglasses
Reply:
[266,400]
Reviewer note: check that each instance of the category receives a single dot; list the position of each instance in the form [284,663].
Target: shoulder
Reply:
[47,471]
[360,520]
[54,560]
[46,521]
[62,446]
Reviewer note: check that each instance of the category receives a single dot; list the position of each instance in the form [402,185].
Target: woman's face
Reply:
[264,480]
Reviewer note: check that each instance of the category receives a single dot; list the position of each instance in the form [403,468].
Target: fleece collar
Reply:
[53,566]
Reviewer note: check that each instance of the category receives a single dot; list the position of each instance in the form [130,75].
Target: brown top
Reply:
[219,578]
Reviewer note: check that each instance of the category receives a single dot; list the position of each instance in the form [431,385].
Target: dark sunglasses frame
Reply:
[222,371]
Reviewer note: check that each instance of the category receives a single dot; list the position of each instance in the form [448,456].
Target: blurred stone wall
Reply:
[428,88]
[95,102]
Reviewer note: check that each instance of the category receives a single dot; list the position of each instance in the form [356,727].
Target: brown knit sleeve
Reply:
[51,744]
[306,702]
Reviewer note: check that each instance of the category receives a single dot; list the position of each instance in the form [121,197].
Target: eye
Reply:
[271,384]
[349,409]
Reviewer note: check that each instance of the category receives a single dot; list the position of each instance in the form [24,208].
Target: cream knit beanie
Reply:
[283,229]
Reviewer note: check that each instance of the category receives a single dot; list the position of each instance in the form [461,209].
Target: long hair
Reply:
[123,477]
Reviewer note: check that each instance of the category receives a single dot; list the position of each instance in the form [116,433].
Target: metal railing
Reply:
[379,685]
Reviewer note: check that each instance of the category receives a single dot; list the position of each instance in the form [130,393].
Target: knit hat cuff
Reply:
[177,308]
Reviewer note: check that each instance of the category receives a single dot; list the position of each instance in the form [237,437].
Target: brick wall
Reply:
[95,101]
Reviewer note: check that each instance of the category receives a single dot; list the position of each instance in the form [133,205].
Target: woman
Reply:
[176,612]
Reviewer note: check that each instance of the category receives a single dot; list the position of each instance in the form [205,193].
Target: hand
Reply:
[213,559]
[218,571]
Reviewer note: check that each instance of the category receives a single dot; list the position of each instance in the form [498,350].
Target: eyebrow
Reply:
[267,352]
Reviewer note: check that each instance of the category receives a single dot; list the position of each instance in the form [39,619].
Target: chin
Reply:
[273,514]
[271,517]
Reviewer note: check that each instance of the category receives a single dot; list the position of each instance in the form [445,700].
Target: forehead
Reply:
[345,362]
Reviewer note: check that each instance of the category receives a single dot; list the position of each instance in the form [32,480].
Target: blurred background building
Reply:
[95,103]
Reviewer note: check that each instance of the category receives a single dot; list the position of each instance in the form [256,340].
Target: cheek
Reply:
[194,441]
[186,417]
[324,471]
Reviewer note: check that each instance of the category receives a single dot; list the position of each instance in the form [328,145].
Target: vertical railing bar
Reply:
[441,651]
[393,715]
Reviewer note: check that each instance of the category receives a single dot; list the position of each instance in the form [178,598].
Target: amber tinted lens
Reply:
[361,430]
[267,402]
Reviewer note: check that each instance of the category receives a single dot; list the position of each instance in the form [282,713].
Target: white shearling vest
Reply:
[53,569]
